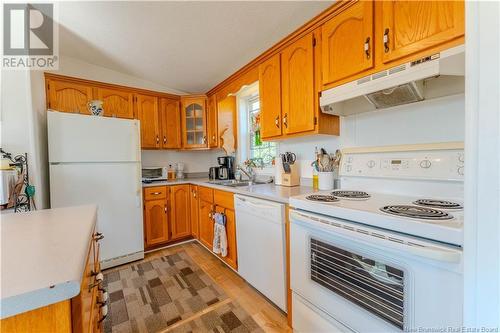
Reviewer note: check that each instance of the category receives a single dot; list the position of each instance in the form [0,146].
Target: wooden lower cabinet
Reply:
[167,212]
[206,223]
[179,211]
[156,229]
[216,201]
[80,314]
[194,211]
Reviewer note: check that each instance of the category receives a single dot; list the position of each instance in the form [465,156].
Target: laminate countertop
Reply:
[43,256]
[270,191]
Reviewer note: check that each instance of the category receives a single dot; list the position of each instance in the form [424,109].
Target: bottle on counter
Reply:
[171,172]
[315,169]
[315,179]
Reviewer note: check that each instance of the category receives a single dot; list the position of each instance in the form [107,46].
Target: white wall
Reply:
[23,127]
[195,161]
[74,67]
[438,120]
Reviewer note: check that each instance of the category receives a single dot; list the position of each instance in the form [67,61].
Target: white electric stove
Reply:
[383,253]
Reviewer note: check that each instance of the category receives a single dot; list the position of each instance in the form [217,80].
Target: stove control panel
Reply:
[431,164]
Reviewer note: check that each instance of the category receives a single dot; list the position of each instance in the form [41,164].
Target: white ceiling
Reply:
[188,46]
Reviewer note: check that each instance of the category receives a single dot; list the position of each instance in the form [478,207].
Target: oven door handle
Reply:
[428,252]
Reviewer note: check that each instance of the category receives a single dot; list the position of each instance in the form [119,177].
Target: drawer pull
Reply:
[156,193]
[104,312]
[95,284]
[105,296]
[99,277]
[98,236]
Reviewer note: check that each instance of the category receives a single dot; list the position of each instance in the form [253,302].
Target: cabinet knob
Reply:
[204,139]
[285,120]
[367,47]
[277,121]
[213,138]
[164,139]
[157,139]
[386,40]
[165,209]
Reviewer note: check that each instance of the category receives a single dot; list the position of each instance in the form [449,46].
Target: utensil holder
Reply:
[325,181]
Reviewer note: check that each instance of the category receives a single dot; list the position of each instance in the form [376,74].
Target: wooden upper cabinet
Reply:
[68,96]
[270,97]
[297,84]
[412,26]
[226,120]
[212,119]
[194,122]
[116,103]
[347,43]
[147,113]
[170,118]
[155,222]
[179,211]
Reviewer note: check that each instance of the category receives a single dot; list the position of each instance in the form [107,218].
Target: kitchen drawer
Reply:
[224,199]
[154,193]
[206,194]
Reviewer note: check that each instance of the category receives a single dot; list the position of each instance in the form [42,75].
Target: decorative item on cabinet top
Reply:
[95,107]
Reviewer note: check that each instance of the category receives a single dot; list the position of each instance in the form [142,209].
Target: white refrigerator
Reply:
[98,160]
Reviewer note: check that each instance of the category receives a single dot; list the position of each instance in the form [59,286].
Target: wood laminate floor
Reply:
[262,311]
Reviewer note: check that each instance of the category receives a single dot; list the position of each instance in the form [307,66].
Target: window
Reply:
[259,151]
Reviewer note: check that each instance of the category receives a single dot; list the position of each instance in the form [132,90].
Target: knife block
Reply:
[293,177]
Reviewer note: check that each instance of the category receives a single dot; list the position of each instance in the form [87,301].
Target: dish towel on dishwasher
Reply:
[220,236]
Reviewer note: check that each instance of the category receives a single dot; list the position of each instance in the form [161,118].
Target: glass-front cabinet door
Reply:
[194,122]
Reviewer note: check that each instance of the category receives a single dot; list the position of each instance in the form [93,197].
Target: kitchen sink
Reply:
[236,183]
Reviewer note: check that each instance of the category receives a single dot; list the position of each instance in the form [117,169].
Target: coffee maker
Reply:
[226,167]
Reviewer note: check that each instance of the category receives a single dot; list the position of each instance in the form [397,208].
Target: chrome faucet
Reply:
[249,173]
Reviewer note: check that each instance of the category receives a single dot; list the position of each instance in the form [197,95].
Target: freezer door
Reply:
[81,138]
[116,189]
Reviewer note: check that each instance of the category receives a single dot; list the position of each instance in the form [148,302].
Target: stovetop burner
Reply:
[433,203]
[416,212]
[322,198]
[350,194]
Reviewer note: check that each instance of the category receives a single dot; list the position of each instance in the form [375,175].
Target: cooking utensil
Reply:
[287,159]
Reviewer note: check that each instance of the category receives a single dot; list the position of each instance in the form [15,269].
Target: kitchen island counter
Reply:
[43,256]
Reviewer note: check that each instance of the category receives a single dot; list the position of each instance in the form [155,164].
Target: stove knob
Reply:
[461,158]
[426,164]
[460,171]
[370,164]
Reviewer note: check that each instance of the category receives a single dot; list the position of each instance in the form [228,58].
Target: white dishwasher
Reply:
[260,235]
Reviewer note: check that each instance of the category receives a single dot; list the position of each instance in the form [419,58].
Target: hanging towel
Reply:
[220,236]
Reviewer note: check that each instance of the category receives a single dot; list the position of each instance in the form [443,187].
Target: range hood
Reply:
[437,75]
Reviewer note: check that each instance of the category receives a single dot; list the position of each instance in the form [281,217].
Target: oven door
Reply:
[373,280]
